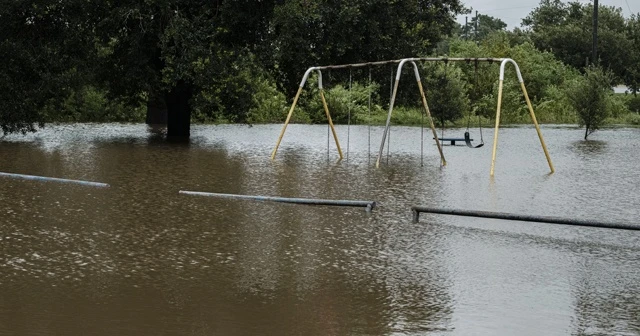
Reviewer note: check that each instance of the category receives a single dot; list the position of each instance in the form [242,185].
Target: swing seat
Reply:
[452,141]
[467,139]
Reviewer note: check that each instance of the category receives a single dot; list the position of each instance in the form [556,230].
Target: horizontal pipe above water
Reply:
[369,205]
[516,217]
[54,179]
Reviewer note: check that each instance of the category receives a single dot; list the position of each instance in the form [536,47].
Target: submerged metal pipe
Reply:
[369,205]
[525,218]
[54,179]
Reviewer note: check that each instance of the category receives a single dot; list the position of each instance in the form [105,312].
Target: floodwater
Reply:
[140,259]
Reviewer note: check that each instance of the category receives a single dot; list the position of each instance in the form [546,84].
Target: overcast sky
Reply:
[513,11]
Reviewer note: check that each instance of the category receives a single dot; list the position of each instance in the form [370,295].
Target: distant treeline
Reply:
[241,61]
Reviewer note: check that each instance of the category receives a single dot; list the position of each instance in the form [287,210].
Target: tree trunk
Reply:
[156,110]
[586,131]
[179,111]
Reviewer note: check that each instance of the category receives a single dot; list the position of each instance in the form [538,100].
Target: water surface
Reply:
[140,259]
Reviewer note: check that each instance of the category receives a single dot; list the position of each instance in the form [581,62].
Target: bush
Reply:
[590,96]
[632,119]
[555,107]
[407,116]
[633,104]
[617,106]
[542,72]
[90,104]
[237,89]
[446,92]
[341,102]
[268,104]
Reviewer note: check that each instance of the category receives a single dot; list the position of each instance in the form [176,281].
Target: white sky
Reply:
[513,11]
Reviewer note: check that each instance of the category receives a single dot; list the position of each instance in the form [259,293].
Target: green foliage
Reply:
[246,93]
[342,102]
[590,96]
[43,47]
[631,77]
[485,25]
[542,72]
[632,119]
[617,106]
[241,61]
[269,104]
[322,32]
[89,104]
[407,116]
[540,69]
[633,104]
[211,60]
[565,29]
[446,92]
[555,107]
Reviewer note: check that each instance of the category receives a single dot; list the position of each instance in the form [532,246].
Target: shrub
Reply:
[633,104]
[590,97]
[446,92]
[341,102]
[90,104]
[268,104]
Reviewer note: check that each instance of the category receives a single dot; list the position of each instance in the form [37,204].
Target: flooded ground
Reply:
[140,259]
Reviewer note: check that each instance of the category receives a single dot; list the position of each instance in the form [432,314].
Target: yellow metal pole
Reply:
[433,127]
[284,128]
[495,133]
[333,130]
[535,122]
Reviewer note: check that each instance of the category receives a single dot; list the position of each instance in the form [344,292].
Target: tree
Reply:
[43,47]
[590,96]
[307,33]
[486,25]
[153,51]
[566,31]
[631,77]
[447,92]
[203,57]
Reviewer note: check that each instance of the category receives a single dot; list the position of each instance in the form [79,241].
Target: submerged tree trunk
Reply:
[179,111]
[586,131]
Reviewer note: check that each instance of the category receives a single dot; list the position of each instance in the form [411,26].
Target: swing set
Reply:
[426,112]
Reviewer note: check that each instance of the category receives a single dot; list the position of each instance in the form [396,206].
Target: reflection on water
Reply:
[588,148]
[138,258]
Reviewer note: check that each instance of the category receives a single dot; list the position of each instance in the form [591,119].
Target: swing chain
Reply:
[349,102]
[475,72]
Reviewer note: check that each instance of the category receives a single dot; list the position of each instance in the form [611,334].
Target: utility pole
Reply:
[477,25]
[466,27]
[594,55]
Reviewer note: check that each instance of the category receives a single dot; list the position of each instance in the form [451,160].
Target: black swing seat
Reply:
[452,141]
[467,139]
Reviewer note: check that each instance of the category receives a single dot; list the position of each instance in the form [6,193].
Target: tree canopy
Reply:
[241,60]
[44,55]
[479,27]
[566,30]
[195,56]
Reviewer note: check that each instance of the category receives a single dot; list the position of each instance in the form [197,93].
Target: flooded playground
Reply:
[138,258]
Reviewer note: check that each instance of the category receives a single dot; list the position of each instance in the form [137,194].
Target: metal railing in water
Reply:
[53,179]
[368,205]
[417,210]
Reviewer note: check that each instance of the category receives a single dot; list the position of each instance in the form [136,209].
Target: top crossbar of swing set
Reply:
[417,59]
[503,62]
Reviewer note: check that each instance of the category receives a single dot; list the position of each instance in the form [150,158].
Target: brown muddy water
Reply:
[140,259]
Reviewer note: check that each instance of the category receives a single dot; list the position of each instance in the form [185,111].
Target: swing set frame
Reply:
[412,61]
